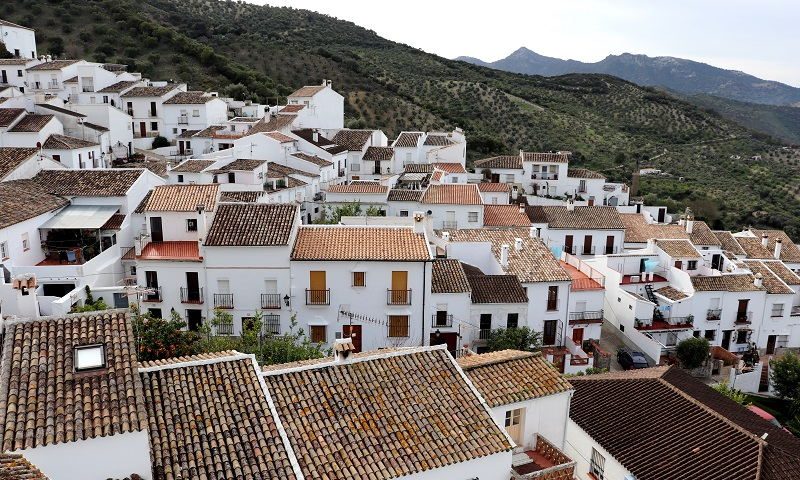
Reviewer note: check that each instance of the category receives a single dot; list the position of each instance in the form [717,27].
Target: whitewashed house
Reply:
[74,152]
[317,106]
[453,206]
[18,40]
[13,73]
[52,76]
[145,104]
[191,111]
[31,130]
[581,231]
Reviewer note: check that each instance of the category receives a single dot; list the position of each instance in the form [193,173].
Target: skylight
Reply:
[89,357]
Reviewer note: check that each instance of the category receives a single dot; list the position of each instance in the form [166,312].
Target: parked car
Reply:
[630,359]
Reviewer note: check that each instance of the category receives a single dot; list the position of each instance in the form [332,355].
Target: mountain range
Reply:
[611,125]
[681,75]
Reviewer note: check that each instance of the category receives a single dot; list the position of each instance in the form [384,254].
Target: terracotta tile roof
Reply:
[373,154]
[353,140]
[63,142]
[582,218]
[65,111]
[189,98]
[711,437]
[275,170]
[702,234]
[494,187]
[8,115]
[252,225]
[307,134]
[437,176]
[43,401]
[447,276]
[359,188]
[511,376]
[233,435]
[114,223]
[308,91]
[279,137]
[450,167]
[725,283]
[16,467]
[172,250]
[198,357]
[496,289]
[12,157]
[418,168]
[678,248]
[584,173]
[241,164]
[23,200]
[118,87]
[407,139]
[9,24]
[404,195]
[188,134]
[452,194]
[53,65]
[318,161]
[416,390]
[182,198]
[637,230]
[504,216]
[789,250]
[95,127]
[31,123]
[291,108]
[783,272]
[291,183]
[728,242]
[671,293]
[513,162]
[753,248]
[244,120]
[560,157]
[12,61]
[534,263]
[243,196]
[192,166]
[149,91]
[336,242]
[88,183]
[432,140]
[272,124]
[772,282]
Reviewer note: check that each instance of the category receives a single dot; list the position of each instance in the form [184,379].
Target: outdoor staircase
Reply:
[657,315]
[763,385]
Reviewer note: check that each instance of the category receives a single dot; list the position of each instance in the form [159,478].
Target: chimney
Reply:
[504,256]
[764,240]
[521,208]
[778,245]
[689,220]
[514,193]
[758,280]
[518,244]
[446,236]
[419,223]
[201,222]
[533,233]
[342,349]
[571,204]
[315,136]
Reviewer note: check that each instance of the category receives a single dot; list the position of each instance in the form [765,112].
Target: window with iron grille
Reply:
[272,324]
[398,325]
[742,336]
[318,333]
[472,217]
[191,224]
[513,320]
[597,464]
[359,279]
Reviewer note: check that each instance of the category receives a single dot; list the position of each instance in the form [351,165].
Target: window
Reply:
[133,270]
[174,130]
[777,310]
[552,298]
[691,265]
[195,113]
[509,178]
[696,334]
[191,224]
[494,200]
[355,167]
[710,335]
[231,177]
[319,333]
[472,217]
[359,279]
[4,253]
[403,213]
[513,417]
[19,73]
[398,325]
[105,98]
[597,465]
[513,320]
[89,357]
[154,126]
[180,178]
[155,312]
[742,336]
[26,243]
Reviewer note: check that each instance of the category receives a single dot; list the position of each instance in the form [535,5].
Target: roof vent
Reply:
[764,240]
[518,244]
[343,348]
[758,280]
[504,256]
[778,245]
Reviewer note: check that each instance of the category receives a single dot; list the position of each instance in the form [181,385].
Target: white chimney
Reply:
[532,232]
[201,222]
[778,245]
[514,193]
[765,240]
[518,244]
[758,280]
[689,220]
[343,348]
[504,256]
[419,223]
[521,208]
[571,204]
[315,136]
[446,236]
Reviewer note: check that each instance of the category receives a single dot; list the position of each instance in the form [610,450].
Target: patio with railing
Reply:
[542,461]
[594,316]
[584,277]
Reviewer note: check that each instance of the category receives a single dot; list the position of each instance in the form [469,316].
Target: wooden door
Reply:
[726,339]
[192,287]
[577,336]
[447,338]
[568,240]
[513,424]
[495,178]
[609,244]
[317,286]
[549,336]
[741,311]
[354,332]
[400,287]
[678,264]
[591,202]
[156,230]
[771,344]
[662,212]
[181,147]
[143,129]
[587,245]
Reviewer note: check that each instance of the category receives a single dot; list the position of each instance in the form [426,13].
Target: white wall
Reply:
[545,416]
[21,39]
[579,448]
[492,467]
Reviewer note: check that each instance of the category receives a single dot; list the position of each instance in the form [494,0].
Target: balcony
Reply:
[672,323]
[183,120]
[544,176]
[398,297]
[714,314]
[595,316]
[610,250]
[223,328]
[270,301]
[743,318]
[450,225]
[442,321]
[191,295]
[543,461]
[795,311]
[318,297]
[223,300]
[569,249]
[152,134]
[484,333]
[587,250]
[153,296]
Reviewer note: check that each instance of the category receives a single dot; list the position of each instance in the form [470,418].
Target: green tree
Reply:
[785,376]
[736,395]
[160,141]
[90,304]
[522,338]
[333,216]
[158,338]
[692,352]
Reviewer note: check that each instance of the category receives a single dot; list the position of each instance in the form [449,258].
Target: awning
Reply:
[89,217]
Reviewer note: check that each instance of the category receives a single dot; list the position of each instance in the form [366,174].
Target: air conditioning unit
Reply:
[635,279]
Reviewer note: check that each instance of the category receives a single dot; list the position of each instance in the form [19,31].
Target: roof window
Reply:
[90,357]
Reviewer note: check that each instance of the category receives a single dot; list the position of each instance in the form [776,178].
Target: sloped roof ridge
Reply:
[378,354]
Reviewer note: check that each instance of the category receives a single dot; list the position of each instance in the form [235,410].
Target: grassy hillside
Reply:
[264,52]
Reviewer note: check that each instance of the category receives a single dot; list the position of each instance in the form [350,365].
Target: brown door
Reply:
[577,336]
[181,147]
[143,129]
[587,245]
[609,245]
[399,287]
[568,240]
[318,287]
[741,311]
[771,344]
[678,264]
[447,338]
[354,332]
[549,336]
[591,202]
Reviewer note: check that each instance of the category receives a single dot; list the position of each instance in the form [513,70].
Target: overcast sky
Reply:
[760,37]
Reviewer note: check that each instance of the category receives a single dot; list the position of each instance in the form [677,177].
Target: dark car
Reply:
[629,359]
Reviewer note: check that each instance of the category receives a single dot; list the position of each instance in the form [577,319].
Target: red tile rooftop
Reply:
[176,250]
[580,281]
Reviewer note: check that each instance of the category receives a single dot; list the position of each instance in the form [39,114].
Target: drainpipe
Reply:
[424,296]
